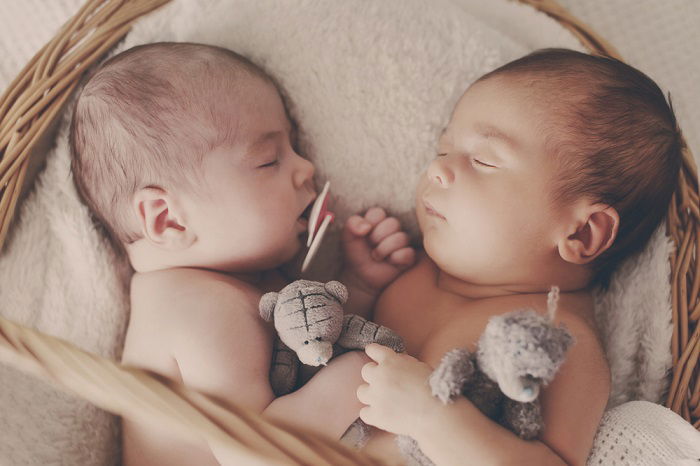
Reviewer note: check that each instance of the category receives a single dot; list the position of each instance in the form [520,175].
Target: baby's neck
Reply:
[146,259]
[253,278]
[469,290]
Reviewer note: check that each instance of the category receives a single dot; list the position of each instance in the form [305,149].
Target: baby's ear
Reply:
[267,305]
[337,290]
[161,220]
[594,230]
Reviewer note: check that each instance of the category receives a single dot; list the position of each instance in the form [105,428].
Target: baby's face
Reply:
[257,188]
[483,204]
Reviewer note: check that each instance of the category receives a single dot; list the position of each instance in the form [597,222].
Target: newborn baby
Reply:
[185,154]
[552,170]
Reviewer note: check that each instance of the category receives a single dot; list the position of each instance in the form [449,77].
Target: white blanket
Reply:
[371,85]
[641,433]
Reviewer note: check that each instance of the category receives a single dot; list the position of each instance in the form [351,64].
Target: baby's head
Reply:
[184,153]
[553,169]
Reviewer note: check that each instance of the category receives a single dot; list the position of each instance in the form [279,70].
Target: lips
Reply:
[305,213]
[430,210]
[303,218]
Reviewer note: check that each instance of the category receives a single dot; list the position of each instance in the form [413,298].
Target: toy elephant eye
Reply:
[306,342]
[318,338]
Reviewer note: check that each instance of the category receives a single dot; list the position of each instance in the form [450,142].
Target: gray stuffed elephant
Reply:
[312,328]
[517,354]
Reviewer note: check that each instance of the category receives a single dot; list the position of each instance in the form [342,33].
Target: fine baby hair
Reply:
[613,136]
[146,117]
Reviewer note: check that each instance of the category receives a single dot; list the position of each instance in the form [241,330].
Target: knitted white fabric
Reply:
[640,433]
[370,104]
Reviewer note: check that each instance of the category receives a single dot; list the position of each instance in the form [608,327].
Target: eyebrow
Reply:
[489,131]
[254,147]
[265,137]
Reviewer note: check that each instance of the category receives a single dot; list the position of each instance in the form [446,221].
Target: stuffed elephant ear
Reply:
[337,290]
[267,305]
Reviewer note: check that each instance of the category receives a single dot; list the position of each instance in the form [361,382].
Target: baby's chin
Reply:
[292,253]
[431,247]
[440,252]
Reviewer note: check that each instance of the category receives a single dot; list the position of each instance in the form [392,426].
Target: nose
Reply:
[440,172]
[303,171]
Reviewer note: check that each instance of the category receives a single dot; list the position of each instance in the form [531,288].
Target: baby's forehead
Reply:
[497,111]
[192,100]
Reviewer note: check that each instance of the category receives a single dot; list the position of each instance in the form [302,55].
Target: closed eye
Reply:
[479,162]
[270,164]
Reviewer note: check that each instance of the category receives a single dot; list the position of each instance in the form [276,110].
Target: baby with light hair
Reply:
[185,154]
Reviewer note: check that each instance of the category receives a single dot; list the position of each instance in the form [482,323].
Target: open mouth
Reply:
[303,219]
[319,218]
[319,212]
[307,212]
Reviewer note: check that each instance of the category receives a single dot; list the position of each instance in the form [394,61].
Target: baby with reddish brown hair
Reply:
[553,169]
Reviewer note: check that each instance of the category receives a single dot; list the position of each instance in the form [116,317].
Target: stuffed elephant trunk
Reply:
[523,389]
[315,353]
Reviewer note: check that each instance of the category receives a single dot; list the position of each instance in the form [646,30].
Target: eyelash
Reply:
[270,164]
[475,160]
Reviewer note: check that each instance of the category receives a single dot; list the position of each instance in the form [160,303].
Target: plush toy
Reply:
[518,352]
[312,328]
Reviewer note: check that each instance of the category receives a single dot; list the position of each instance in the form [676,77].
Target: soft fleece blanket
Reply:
[371,85]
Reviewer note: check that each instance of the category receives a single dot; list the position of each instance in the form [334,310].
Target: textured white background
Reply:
[661,38]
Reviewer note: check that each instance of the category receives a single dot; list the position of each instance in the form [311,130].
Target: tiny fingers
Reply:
[367,370]
[358,225]
[377,352]
[404,257]
[390,244]
[374,215]
[362,392]
[366,415]
[385,228]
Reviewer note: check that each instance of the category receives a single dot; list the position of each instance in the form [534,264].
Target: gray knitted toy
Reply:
[312,328]
[518,352]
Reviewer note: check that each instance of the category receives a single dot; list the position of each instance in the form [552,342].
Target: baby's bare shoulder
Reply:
[202,328]
[175,308]
[574,402]
[187,283]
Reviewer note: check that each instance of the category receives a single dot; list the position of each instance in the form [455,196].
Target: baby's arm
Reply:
[327,402]
[376,252]
[398,400]
[229,358]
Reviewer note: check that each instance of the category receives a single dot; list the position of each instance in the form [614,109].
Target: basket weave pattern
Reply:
[33,101]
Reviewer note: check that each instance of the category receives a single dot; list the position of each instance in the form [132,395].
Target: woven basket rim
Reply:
[35,99]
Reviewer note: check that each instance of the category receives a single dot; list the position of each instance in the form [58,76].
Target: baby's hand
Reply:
[376,250]
[397,394]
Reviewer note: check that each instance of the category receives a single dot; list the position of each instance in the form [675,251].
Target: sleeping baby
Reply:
[184,153]
[552,170]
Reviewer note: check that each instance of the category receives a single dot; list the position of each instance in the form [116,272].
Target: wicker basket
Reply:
[27,110]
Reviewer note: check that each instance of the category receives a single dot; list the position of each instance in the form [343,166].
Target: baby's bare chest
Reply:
[432,321]
[423,315]
[432,324]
